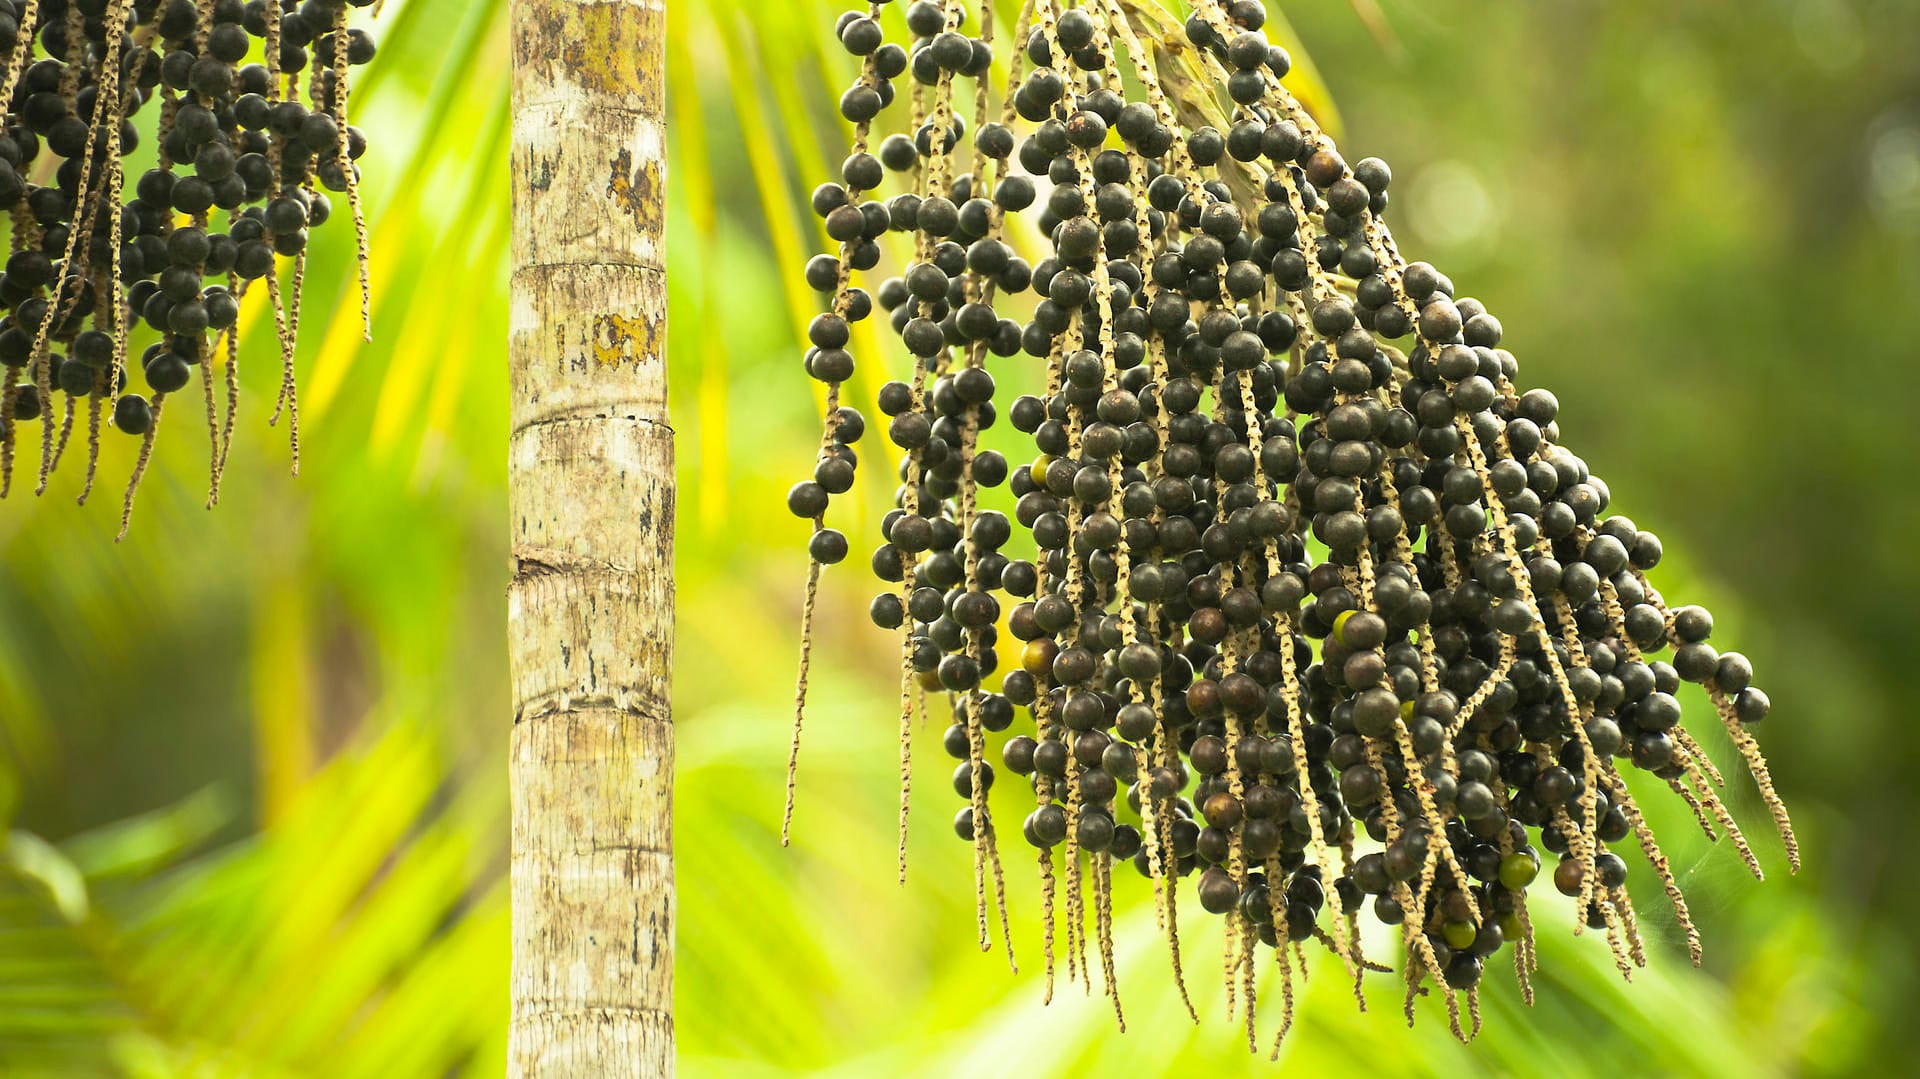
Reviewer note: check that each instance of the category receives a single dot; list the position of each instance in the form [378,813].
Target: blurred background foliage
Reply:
[252,783]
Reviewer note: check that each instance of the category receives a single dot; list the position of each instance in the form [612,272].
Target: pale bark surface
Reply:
[591,487]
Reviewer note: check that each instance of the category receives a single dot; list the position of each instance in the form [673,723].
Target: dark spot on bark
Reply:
[638,192]
[538,171]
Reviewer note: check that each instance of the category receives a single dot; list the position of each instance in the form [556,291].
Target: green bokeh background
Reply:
[252,775]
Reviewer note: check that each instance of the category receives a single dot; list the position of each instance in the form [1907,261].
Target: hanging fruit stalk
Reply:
[251,126]
[1324,616]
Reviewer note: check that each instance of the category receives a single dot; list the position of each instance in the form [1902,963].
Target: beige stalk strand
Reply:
[1046,917]
[1103,919]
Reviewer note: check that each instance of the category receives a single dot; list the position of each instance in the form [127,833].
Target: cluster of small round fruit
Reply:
[1307,600]
[244,167]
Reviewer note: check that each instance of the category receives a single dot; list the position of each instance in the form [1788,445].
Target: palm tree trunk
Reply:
[590,620]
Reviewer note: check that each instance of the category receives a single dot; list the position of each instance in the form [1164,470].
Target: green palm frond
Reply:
[360,935]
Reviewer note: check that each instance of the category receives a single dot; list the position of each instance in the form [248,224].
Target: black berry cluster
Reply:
[251,134]
[1321,614]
